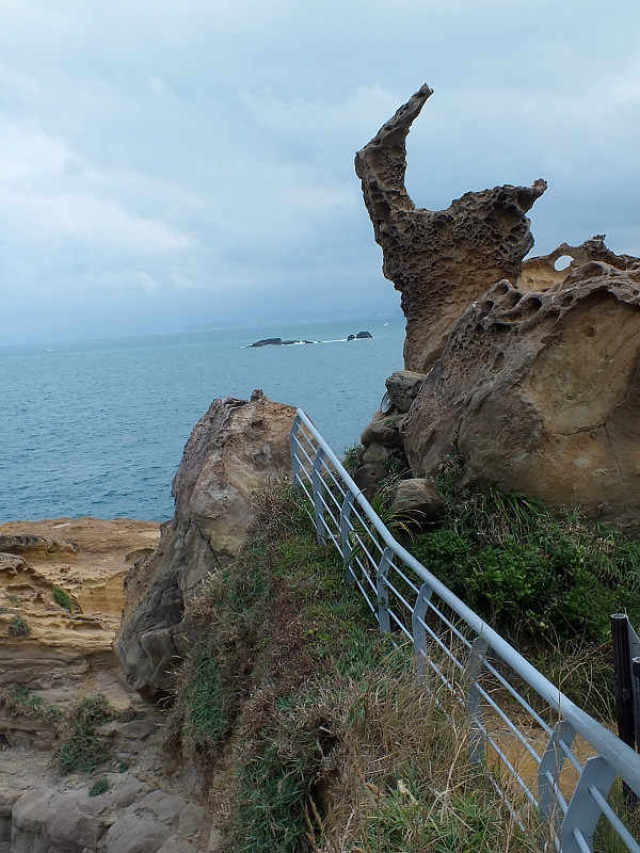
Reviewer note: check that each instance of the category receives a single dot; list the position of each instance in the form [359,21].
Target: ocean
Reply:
[98,428]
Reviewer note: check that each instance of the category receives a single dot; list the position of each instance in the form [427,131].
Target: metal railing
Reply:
[541,750]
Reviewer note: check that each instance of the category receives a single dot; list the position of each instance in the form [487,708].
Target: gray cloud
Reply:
[171,164]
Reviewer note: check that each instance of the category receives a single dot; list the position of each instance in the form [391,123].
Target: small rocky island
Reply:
[281,342]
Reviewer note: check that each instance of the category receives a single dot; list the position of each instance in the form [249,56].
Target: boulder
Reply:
[441,260]
[540,392]
[234,450]
[417,497]
[383,430]
[402,387]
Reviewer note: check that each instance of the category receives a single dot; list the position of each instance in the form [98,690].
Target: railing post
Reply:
[623,682]
[316,484]
[382,590]
[550,769]
[345,527]
[473,699]
[418,617]
[293,444]
[583,814]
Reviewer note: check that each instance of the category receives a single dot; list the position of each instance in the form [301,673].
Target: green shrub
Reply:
[531,573]
[61,597]
[19,627]
[83,749]
[100,787]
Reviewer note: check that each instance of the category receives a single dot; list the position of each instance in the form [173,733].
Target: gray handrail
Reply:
[624,760]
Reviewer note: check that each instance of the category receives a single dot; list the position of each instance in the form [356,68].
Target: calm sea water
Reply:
[98,428]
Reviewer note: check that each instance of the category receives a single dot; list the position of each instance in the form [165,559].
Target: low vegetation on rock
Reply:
[61,597]
[18,627]
[309,725]
[17,701]
[100,787]
[83,749]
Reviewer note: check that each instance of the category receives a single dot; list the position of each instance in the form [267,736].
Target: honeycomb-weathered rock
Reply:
[442,260]
[540,392]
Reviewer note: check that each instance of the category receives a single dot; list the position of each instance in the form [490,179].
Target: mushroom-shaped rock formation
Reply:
[439,260]
[540,392]
[235,449]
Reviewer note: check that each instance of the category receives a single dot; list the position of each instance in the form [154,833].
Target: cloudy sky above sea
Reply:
[167,165]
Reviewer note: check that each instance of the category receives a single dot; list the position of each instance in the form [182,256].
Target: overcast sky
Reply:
[169,164]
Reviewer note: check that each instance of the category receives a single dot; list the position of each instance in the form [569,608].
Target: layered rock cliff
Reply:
[61,597]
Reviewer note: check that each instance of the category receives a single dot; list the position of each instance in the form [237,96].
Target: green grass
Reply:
[83,749]
[18,627]
[207,721]
[61,597]
[100,787]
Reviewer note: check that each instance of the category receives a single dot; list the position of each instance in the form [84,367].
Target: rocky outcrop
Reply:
[526,371]
[138,813]
[234,450]
[277,342]
[540,273]
[61,585]
[540,392]
[442,260]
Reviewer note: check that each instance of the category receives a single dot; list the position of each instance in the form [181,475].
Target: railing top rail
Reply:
[622,758]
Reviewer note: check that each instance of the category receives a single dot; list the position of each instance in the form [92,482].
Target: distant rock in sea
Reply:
[278,342]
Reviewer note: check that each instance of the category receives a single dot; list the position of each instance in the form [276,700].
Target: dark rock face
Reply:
[439,260]
[233,451]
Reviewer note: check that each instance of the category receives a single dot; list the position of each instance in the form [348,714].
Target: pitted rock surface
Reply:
[234,450]
[442,260]
[540,392]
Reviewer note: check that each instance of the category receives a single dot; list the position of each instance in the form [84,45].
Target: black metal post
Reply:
[623,690]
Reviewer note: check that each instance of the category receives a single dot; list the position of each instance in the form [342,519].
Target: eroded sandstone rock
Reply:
[62,654]
[442,260]
[233,451]
[540,392]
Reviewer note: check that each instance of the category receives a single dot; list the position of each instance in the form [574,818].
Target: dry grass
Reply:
[312,731]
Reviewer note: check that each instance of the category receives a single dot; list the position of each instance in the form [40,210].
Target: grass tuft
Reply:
[100,787]
[83,750]
[18,627]
[61,597]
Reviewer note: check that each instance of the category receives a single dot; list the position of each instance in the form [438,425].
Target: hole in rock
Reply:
[562,263]
[530,305]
